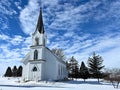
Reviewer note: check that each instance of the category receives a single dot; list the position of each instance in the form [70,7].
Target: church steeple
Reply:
[39,36]
[40,26]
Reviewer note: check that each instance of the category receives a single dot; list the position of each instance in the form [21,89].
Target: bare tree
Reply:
[113,76]
[59,53]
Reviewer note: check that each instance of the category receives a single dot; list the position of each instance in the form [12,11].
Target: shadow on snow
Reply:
[30,86]
[87,82]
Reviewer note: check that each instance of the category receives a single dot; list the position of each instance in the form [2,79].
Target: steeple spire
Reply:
[39,36]
[40,26]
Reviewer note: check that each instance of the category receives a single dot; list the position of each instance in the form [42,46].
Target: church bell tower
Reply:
[38,40]
[37,54]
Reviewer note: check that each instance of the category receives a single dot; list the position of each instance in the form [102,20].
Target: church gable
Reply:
[54,56]
[26,58]
[58,59]
[35,68]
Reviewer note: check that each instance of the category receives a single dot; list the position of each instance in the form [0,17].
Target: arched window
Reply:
[58,69]
[34,69]
[37,41]
[35,55]
[61,69]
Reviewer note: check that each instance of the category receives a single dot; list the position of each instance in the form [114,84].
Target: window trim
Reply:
[35,55]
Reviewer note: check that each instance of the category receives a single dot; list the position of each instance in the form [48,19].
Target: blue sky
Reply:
[79,27]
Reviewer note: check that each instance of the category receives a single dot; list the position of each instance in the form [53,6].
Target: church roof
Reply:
[40,26]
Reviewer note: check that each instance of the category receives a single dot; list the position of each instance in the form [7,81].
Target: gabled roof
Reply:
[58,59]
[26,58]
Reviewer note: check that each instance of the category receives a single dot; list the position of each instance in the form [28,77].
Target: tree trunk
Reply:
[98,80]
[84,80]
[117,84]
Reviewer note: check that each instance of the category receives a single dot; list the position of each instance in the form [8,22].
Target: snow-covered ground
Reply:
[90,84]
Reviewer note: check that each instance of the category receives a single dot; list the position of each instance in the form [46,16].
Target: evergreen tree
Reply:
[73,68]
[95,66]
[84,73]
[67,65]
[19,71]
[14,70]
[76,72]
[8,72]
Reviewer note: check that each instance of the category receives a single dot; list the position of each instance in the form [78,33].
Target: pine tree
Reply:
[19,71]
[84,73]
[73,68]
[14,70]
[76,72]
[95,66]
[8,72]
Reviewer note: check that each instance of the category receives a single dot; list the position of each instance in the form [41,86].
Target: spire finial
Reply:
[40,4]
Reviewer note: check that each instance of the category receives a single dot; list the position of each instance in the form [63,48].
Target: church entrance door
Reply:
[35,74]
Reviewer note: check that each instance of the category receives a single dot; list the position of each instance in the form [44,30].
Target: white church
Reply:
[41,63]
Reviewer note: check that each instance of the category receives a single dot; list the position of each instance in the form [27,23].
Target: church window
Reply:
[37,41]
[61,70]
[35,55]
[34,69]
[58,69]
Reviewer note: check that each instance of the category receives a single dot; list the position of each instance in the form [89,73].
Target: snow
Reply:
[90,84]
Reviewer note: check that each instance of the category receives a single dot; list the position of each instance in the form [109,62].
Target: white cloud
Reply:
[5,8]
[4,37]
[28,16]
[18,4]
[6,11]
[111,58]
[54,18]
[4,65]
[13,56]
[17,40]
[49,2]
[8,53]
[67,20]
[108,47]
